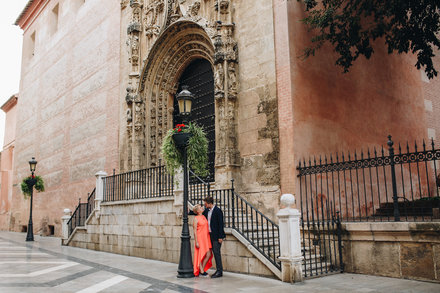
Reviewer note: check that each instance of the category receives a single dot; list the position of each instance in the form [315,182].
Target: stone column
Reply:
[290,242]
[65,229]
[99,190]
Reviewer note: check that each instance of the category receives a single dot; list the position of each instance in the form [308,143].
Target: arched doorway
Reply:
[199,77]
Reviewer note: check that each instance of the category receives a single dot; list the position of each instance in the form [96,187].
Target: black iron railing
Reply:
[81,213]
[261,232]
[374,186]
[321,239]
[78,217]
[147,183]
[90,203]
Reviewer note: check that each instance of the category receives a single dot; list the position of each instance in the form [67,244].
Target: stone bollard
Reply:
[290,242]
[99,191]
[64,228]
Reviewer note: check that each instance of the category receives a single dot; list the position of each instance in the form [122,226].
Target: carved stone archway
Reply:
[177,47]
[152,102]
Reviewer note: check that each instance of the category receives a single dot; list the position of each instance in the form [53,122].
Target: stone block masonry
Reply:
[398,249]
[151,229]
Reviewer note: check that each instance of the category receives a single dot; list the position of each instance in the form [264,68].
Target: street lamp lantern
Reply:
[33,165]
[31,182]
[185,270]
[185,99]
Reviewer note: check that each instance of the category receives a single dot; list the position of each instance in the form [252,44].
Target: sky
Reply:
[10,54]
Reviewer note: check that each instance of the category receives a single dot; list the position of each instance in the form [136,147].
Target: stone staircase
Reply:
[422,208]
[255,231]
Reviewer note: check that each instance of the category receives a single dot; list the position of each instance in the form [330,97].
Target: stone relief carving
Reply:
[135,106]
[153,17]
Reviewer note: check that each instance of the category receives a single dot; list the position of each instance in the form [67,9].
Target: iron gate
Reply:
[199,78]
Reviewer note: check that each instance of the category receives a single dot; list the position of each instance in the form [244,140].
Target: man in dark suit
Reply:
[216,230]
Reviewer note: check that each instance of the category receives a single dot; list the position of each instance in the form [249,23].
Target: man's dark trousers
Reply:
[217,256]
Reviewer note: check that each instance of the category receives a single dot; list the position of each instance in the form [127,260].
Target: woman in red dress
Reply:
[202,241]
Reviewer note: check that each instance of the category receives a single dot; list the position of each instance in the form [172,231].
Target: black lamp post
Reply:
[184,99]
[31,182]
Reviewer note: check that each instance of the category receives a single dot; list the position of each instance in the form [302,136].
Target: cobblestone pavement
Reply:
[46,266]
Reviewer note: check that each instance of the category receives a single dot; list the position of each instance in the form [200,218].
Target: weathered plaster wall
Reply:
[399,250]
[258,137]
[152,229]
[334,112]
[68,105]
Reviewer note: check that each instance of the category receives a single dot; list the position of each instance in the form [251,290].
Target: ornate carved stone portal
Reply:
[168,35]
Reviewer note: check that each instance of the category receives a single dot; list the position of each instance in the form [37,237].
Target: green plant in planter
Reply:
[197,150]
[39,185]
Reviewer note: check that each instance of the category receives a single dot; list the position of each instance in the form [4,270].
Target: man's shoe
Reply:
[217,275]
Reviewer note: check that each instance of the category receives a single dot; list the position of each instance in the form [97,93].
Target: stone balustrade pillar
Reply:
[64,228]
[99,190]
[290,242]
[178,191]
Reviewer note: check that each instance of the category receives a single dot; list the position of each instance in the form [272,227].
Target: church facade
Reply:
[99,80]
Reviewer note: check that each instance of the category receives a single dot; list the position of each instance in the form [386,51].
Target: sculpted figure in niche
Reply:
[219,78]
[130,97]
[134,44]
[175,8]
[232,78]
[137,15]
[129,115]
[195,8]
[231,45]
[224,5]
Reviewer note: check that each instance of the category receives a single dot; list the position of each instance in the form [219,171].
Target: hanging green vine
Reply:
[197,150]
[39,185]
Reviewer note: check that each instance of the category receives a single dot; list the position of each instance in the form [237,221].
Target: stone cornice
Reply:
[11,102]
[30,12]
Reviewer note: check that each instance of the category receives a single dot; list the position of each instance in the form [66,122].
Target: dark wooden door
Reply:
[198,76]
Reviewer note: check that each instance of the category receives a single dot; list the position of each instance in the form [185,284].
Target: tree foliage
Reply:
[352,27]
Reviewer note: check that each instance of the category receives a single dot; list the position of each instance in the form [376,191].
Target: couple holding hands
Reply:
[208,237]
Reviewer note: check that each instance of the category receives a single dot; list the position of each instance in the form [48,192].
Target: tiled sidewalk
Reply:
[46,266]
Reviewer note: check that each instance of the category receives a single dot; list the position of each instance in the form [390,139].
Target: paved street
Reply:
[46,266]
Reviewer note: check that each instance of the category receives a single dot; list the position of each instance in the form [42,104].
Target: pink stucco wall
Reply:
[324,111]
[7,159]
[69,93]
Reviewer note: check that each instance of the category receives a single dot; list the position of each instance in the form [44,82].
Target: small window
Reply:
[54,19]
[24,228]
